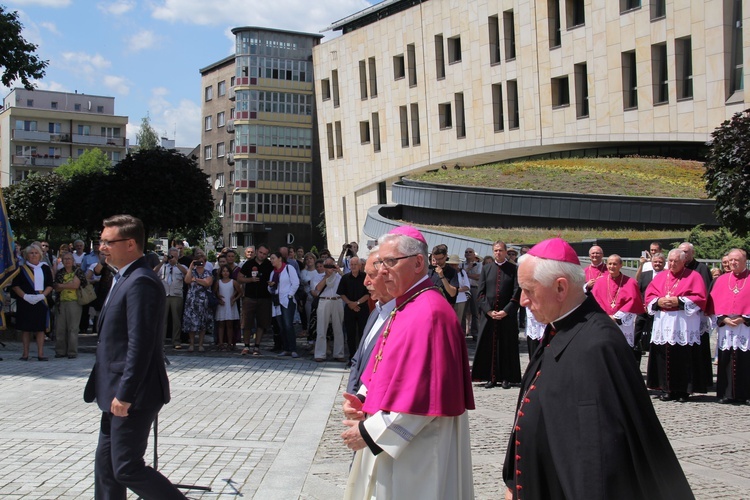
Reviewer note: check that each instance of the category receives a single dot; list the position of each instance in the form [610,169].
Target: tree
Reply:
[727,173]
[146,137]
[164,188]
[92,160]
[17,58]
[198,234]
[85,201]
[32,204]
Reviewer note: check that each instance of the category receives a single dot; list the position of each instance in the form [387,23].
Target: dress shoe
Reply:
[59,356]
[668,397]
[683,399]
[506,384]
[726,401]
[490,384]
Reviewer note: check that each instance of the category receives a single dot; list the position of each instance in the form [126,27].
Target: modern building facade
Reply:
[217,137]
[416,85]
[270,138]
[41,130]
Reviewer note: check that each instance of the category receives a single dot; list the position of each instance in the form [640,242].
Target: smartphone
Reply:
[644,254]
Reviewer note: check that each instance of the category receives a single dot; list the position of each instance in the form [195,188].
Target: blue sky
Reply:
[146,54]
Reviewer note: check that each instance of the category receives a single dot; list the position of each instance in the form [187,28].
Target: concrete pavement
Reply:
[268,428]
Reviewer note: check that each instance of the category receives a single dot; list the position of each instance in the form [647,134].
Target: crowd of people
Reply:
[400,319]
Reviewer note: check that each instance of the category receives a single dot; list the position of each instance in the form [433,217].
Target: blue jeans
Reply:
[286,322]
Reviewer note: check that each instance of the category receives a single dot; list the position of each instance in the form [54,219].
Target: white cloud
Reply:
[117,84]
[45,3]
[180,121]
[259,12]
[143,40]
[84,64]
[51,27]
[51,85]
[116,8]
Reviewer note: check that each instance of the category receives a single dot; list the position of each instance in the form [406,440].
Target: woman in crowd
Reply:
[283,285]
[67,281]
[197,316]
[32,287]
[307,274]
[228,291]
[64,248]
[464,285]
[100,274]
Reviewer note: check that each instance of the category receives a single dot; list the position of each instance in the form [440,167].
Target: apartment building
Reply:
[414,85]
[41,130]
[270,138]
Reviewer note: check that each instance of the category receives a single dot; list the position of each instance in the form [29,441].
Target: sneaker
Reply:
[283,353]
[295,355]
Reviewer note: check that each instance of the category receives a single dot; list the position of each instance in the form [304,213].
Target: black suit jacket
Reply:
[507,297]
[129,355]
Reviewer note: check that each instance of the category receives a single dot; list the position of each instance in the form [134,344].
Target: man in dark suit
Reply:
[375,284]
[497,359]
[129,380]
[645,321]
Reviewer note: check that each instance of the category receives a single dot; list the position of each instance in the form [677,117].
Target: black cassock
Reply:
[497,357]
[585,426]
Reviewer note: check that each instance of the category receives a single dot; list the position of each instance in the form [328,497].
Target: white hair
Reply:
[546,271]
[405,244]
[680,253]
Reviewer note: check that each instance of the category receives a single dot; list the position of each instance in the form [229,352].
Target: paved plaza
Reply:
[268,428]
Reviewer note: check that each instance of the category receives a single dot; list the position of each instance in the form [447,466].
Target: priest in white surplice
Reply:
[408,423]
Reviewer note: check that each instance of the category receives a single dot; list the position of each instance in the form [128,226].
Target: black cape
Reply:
[586,427]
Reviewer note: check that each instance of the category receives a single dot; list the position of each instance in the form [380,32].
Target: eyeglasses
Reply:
[106,243]
[390,262]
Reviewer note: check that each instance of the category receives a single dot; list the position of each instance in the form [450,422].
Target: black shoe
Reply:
[683,399]
[490,384]
[725,401]
[506,384]
[59,356]
[24,358]
[42,358]
[668,397]
[72,357]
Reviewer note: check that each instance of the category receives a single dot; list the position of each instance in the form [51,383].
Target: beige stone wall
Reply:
[350,182]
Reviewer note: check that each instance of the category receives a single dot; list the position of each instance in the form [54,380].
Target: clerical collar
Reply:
[501,263]
[558,320]
[596,266]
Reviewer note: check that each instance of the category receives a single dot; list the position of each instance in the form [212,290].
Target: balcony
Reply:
[38,160]
[232,94]
[230,126]
[31,135]
[230,158]
[98,140]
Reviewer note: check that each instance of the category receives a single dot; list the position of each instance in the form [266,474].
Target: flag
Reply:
[8,264]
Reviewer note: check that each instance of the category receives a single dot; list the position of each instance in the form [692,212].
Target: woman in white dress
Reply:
[228,291]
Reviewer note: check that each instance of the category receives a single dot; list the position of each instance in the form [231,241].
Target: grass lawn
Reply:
[651,177]
[519,235]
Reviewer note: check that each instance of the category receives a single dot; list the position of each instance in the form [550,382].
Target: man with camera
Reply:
[442,276]
[172,275]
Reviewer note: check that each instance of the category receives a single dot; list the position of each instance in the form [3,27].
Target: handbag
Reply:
[86,294]
[213,300]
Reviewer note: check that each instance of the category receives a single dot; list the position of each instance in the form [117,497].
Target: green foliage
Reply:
[164,188]
[92,160]
[146,137]
[715,244]
[727,173]
[314,250]
[631,176]
[18,60]
[196,234]
[32,203]
[85,201]
[211,256]
[321,227]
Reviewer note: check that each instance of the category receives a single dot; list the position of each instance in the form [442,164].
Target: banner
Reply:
[8,264]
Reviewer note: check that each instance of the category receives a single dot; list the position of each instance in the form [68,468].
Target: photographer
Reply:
[442,276]
[172,275]
[348,251]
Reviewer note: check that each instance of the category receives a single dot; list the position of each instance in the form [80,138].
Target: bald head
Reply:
[689,250]
[596,254]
